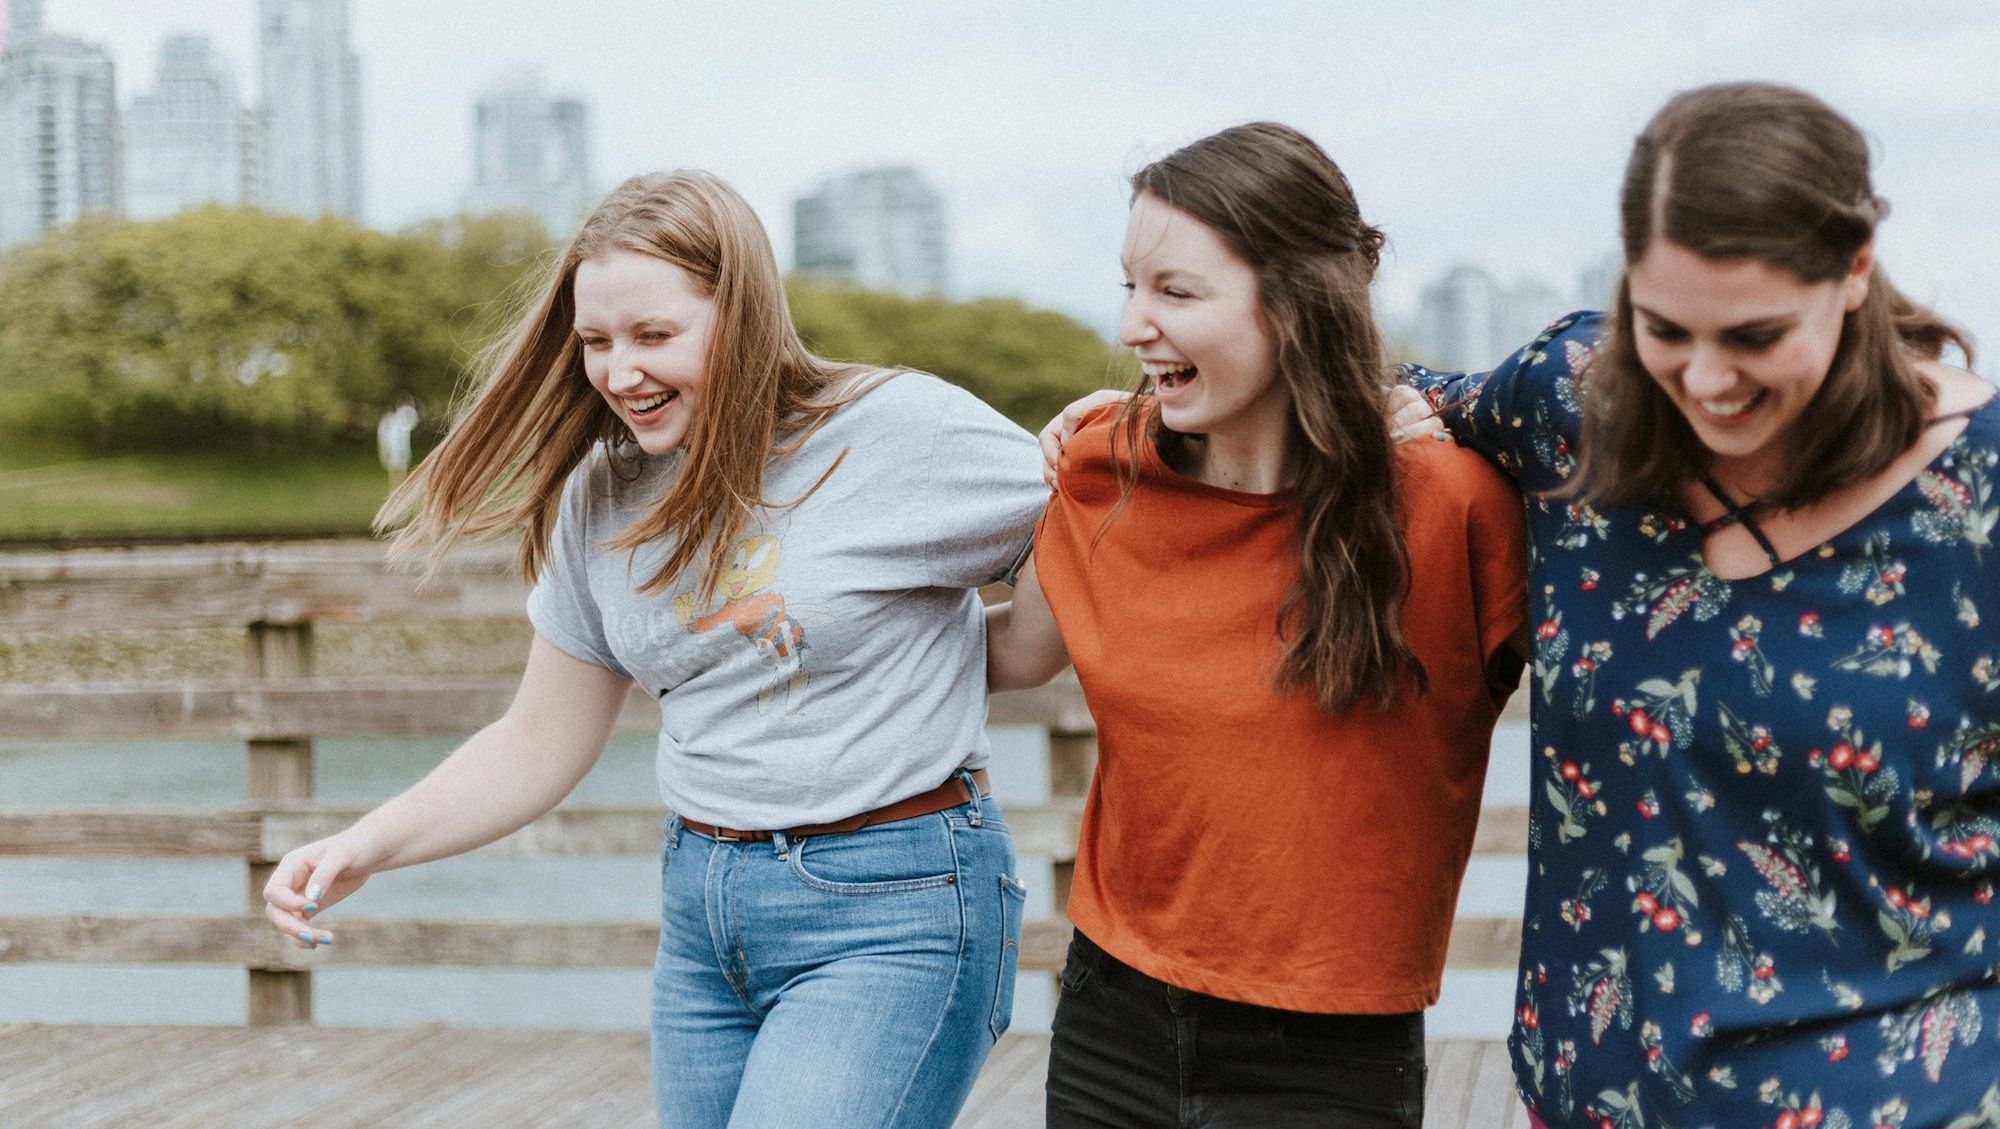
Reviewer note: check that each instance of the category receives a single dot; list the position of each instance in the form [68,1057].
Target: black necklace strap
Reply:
[1947,417]
[1733,514]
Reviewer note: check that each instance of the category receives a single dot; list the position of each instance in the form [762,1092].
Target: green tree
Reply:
[218,327]
[1027,363]
[219,324]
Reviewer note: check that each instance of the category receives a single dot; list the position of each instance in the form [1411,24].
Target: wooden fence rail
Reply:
[275,595]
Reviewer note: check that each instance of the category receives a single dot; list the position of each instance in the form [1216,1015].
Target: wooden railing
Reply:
[275,596]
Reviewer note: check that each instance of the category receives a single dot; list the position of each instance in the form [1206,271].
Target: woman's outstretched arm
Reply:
[503,778]
[1024,648]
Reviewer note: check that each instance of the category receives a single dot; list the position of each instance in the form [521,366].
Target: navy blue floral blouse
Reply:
[1765,823]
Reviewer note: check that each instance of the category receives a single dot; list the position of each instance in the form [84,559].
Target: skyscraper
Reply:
[1457,317]
[183,140]
[531,153]
[1467,321]
[880,228]
[58,129]
[312,105]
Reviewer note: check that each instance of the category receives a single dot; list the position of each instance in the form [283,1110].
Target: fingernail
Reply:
[326,938]
[312,907]
[305,936]
[313,892]
[1441,436]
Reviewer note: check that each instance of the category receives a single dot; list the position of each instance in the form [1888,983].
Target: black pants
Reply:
[1136,1053]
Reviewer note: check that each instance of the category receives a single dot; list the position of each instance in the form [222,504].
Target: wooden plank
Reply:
[1042,829]
[327,707]
[1009,1093]
[1058,705]
[324,707]
[1451,1065]
[250,941]
[1492,943]
[232,585]
[437,1077]
[1490,1095]
[1502,832]
[192,833]
[1485,942]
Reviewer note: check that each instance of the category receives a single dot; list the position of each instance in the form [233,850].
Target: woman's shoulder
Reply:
[1450,481]
[885,397]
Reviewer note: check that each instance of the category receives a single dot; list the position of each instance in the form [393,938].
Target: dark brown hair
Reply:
[535,416]
[1763,172]
[1281,204]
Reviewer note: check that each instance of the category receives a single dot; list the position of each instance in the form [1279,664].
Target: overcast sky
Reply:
[1483,132]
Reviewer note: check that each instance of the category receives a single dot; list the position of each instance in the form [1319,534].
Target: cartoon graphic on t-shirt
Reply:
[758,616]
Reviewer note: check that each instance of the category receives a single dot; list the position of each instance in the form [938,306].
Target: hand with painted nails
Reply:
[1411,416]
[1063,426]
[310,879]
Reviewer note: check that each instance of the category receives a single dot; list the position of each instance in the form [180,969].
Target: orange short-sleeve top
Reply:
[1238,841]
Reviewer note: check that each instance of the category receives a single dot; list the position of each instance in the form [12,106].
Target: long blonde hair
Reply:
[534,417]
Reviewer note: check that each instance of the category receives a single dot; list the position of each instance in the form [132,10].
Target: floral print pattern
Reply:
[1766,821]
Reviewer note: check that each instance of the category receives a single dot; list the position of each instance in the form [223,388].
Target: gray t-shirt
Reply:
[841,664]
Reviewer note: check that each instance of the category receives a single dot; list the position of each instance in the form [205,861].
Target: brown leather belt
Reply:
[949,794]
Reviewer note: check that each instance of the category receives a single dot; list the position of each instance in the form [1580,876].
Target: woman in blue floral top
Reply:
[1766,807]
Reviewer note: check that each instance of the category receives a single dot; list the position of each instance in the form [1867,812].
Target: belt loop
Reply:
[781,845]
[674,832]
[964,776]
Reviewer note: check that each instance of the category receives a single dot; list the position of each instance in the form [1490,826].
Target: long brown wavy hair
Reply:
[1281,204]
[1764,172]
[534,416]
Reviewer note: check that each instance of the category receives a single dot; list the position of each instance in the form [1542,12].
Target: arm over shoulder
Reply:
[1524,415]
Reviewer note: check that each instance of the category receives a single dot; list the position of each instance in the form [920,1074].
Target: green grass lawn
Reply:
[48,491]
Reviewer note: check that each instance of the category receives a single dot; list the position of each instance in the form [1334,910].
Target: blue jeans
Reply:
[840,980]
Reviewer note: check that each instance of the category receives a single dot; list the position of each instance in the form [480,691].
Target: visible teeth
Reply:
[1157,369]
[1727,407]
[649,403]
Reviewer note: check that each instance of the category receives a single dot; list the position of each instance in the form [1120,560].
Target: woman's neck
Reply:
[1255,461]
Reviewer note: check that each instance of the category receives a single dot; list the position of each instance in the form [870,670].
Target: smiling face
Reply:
[644,325]
[1193,317]
[1740,347]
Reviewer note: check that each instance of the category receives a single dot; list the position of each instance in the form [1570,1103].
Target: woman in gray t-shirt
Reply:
[785,552]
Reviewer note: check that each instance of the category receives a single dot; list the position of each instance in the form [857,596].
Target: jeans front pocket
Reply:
[1080,964]
[1013,899]
[888,858]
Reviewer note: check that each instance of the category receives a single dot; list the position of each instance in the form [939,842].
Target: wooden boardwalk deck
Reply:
[80,1077]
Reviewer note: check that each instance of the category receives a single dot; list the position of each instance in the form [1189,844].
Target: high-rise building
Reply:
[531,153]
[882,229]
[183,140]
[1467,321]
[1595,284]
[312,105]
[1456,319]
[24,19]
[58,129]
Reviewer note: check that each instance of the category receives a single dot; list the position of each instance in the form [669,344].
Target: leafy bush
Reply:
[227,327]
[220,324]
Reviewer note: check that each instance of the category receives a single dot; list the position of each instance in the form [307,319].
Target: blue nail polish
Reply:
[305,936]
[312,907]
[326,939]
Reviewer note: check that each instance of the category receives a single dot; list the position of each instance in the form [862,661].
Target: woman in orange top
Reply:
[1294,636]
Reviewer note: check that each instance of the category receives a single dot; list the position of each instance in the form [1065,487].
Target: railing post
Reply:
[1072,758]
[281,769]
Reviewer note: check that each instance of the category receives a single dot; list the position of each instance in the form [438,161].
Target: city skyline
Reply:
[1491,134]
